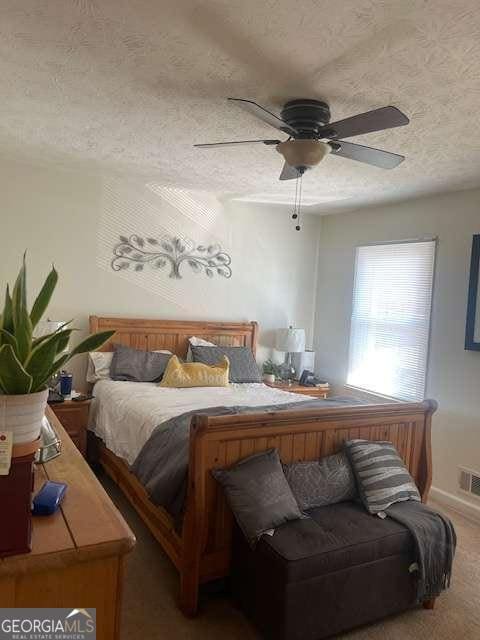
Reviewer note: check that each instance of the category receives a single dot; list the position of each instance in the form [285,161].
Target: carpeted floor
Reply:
[149,609]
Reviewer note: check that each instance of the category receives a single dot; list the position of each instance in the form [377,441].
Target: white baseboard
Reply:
[467,509]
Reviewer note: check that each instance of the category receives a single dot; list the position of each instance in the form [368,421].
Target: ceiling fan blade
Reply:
[288,173]
[232,144]
[376,120]
[369,155]
[265,115]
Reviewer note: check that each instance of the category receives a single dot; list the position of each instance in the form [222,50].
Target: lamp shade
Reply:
[290,340]
[44,327]
[303,153]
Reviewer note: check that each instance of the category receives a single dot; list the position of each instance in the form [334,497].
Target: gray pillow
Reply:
[136,365]
[382,477]
[318,483]
[258,494]
[243,367]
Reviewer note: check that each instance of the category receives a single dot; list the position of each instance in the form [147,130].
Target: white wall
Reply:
[74,220]
[454,374]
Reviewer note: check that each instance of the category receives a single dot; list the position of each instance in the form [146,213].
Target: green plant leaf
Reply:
[92,343]
[19,293]
[14,379]
[42,359]
[64,339]
[38,341]
[23,334]
[57,337]
[43,299]
[21,319]
[7,318]
[57,365]
[7,338]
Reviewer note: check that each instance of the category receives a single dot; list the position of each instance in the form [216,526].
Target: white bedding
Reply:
[124,414]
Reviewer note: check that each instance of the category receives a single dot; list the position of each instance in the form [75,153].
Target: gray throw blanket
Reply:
[162,464]
[435,542]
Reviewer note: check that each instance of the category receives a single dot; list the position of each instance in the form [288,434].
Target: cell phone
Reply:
[81,397]
[308,379]
[305,377]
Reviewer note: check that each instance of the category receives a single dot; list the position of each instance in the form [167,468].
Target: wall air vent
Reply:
[469,481]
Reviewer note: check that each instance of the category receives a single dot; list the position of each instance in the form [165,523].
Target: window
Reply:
[390,325]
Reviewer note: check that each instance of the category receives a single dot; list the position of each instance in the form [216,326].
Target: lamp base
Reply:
[287,370]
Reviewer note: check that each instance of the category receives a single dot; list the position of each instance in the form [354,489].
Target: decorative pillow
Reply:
[99,366]
[258,494]
[318,483]
[194,374]
[243,367]
[196,342]
[137,365]
[382,478]
[99,363]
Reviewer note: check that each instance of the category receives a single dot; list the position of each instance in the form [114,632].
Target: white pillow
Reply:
[99,365]
[197,342]
[200,342]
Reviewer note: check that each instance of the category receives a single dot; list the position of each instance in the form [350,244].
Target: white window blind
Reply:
[391,318]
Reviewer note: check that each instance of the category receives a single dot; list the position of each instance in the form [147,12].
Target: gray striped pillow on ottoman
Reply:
[381,475]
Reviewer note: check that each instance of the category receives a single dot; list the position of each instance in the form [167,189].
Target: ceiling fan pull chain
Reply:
[295,214]
[299,202]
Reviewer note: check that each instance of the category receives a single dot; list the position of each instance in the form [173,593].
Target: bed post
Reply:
[425,480]
[194,527]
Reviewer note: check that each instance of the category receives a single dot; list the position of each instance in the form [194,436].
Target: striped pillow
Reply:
[381,475]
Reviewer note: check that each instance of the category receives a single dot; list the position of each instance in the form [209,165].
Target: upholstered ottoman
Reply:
[316,577]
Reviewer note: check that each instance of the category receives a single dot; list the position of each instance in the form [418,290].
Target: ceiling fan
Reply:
[312,136]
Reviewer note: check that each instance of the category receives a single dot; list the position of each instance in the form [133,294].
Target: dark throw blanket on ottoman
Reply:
[435,542]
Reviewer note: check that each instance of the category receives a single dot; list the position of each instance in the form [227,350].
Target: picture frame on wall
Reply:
[472,330]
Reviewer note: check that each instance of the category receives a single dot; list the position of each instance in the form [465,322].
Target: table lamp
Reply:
[290,341]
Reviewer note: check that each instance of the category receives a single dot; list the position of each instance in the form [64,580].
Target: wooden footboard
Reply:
[220,441]
[202,551]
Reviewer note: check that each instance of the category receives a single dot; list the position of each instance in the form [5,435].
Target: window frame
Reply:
[434,240]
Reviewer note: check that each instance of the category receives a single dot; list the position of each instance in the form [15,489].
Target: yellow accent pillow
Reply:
[195,374]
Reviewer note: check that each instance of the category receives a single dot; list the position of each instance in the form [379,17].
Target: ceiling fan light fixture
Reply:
[303,153]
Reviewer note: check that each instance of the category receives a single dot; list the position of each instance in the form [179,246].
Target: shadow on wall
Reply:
[151,236]
[181,247]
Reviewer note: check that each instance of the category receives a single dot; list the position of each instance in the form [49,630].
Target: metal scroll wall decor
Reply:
[170,252]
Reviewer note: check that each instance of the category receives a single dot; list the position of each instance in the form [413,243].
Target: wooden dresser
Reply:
[78,554]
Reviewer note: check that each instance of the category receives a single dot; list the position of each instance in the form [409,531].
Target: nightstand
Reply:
[74,417]
[294,387]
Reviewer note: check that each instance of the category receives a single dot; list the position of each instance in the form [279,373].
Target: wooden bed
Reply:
[201,552]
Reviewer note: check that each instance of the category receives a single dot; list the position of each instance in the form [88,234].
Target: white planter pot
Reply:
[23,415]
[269,377]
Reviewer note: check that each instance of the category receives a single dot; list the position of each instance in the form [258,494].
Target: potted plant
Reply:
[26,365]
[270,371]
[26,362]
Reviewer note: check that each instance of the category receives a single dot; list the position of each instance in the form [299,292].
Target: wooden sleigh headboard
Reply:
[151,335]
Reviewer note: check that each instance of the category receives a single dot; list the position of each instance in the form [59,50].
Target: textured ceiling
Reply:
[132,84]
